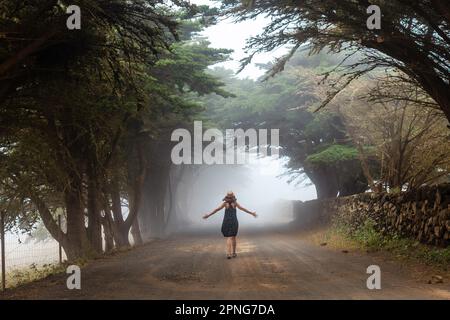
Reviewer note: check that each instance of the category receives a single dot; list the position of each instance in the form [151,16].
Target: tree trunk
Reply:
[50,223]
[324,181]
[136,233]
[109,236]
[94,223]
[121,236]
[77,241]
[119,230]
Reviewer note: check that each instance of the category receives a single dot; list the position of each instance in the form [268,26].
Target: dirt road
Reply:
[270,265]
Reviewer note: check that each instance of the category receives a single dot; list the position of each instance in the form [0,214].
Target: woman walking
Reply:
[230,224]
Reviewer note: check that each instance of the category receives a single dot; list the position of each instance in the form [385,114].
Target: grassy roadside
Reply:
[366,238]
[21,276]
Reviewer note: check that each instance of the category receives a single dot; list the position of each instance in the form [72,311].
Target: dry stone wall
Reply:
[423,214]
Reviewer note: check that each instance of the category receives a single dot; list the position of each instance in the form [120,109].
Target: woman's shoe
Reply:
[234,255]
[228,256]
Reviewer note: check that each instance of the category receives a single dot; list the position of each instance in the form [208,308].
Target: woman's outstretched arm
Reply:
[245,210]
[206,216]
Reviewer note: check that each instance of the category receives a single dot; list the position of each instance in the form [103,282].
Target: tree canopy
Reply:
[80,110]
[414,38]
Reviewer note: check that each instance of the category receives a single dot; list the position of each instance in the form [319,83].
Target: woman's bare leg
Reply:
[233,242]
[229,246]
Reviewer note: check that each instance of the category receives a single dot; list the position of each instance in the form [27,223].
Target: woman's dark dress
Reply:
[230,222]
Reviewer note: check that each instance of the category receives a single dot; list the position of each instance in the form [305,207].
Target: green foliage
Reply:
[333,155]
[365,236]
[362,232]
[286,102]
[281,102]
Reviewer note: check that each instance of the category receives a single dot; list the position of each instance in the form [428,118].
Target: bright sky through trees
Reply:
[231,35]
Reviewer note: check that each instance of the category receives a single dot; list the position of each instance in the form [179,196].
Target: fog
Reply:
[258,186]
